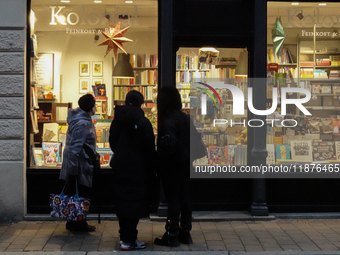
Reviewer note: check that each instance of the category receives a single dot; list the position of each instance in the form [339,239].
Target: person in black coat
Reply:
[173,151]
[133,144]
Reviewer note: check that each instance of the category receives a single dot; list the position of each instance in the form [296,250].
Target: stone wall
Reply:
[12,109]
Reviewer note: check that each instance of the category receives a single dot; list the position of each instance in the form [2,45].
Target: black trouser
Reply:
[176,190]
[128,229]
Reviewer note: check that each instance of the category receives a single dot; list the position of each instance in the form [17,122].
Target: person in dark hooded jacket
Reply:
[77,165]
[133,144]
[173,152]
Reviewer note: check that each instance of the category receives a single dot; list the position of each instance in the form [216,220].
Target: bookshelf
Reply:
[145,81]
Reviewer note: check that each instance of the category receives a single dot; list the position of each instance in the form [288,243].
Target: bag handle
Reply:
[62,195]
[76,196]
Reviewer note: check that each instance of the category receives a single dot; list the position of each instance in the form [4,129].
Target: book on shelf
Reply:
[38,156]
[34,122]
[105,156]
[285,57]
[282,152]
[323,150]
[50,132]
[301,151]
[218,155]
[51,153]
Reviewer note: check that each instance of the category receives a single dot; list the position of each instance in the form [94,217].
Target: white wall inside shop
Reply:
[69,49]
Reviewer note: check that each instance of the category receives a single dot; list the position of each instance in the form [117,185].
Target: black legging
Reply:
[176,190]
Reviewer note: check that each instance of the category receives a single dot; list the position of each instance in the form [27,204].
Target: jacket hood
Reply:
[128,115]
[76,115]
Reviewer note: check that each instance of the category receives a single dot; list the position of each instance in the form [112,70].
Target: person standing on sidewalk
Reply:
[173,150]
[133,144]
[77,165]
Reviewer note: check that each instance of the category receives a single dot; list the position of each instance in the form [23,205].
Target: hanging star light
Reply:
[278,36]
[114,39]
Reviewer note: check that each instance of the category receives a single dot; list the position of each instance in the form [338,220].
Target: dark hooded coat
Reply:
[75,161]
[133,144]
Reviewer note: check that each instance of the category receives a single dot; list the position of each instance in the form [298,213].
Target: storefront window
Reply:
[67,62]
[201,76]
[306,58]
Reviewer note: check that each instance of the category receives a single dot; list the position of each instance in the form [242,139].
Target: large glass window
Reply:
[67,62]
[201,76]
[304,52]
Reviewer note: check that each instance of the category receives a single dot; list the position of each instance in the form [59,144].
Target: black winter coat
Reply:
[133,144]
[173,146]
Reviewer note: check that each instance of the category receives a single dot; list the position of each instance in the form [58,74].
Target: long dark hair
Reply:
[168,99]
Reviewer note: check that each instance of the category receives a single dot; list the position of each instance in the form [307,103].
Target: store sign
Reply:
[320,33]
[74,18]
[296,20]
[238,99]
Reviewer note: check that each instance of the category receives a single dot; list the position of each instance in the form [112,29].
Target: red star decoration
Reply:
[114,39]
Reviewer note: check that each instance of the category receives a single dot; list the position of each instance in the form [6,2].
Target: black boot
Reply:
[170,237]
[184,236]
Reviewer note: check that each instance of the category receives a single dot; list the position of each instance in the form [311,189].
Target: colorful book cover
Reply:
[282,152]
[51,153]
[62,133]
[218,155]
[323,151]
[231,153]
[105,156]
[38,156]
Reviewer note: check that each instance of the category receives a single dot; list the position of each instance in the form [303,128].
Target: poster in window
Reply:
[43,69]
[84,68]
[97,68]
[84,84]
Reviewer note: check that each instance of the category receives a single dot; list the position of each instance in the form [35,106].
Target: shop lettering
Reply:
[238,100]
[73,18]
[255,122]
[309,20]
[319,34]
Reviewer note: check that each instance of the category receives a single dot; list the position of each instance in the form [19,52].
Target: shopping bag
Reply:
[72,208]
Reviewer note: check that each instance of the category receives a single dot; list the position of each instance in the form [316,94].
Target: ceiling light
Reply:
[295,3]
[242,66]
[97,1]
[128,2]
[65,1]
[123,68]
[322,4]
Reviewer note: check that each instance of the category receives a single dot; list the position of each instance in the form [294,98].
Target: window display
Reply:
[66,63]
[309,60]
[196,77]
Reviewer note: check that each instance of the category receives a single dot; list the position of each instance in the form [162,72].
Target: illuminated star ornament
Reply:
[114,39]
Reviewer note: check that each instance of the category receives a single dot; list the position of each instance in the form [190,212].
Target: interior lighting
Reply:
[242,66]
[129,2]
[123,68]
[295,3]
[97,1]
[322,4]
[61,18]
[64,1]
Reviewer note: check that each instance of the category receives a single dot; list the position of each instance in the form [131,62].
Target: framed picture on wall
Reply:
[84,85]
[97,81]
[97,68]
[84,68]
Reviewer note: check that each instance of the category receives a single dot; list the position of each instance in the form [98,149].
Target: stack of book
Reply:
[334,74]
[320,73]
[323,62]
[335,60]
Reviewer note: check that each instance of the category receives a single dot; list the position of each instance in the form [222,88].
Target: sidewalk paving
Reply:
[279,236]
